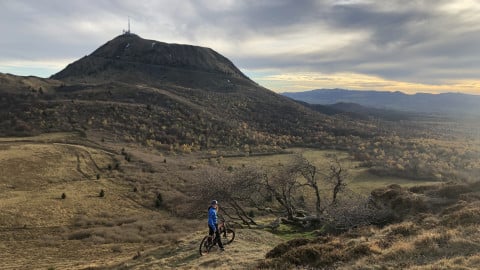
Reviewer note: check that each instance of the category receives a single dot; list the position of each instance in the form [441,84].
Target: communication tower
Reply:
[127,32]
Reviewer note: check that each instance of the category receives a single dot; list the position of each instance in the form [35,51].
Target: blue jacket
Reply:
[212,217]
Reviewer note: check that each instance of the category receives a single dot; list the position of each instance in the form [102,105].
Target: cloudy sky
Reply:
[285,45]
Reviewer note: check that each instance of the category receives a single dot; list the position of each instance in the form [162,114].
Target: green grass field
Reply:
[359,179]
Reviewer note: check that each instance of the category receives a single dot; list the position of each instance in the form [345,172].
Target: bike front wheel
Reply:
[228,236]
[205,245]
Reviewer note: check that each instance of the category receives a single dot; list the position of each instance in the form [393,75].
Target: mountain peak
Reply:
[129,54]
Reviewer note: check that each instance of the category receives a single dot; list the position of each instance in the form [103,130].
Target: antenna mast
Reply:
[127,32]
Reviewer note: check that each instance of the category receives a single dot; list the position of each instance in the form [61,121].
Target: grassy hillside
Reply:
[439,230]
[167,95]
[244,253]
[126,229]
[40,227]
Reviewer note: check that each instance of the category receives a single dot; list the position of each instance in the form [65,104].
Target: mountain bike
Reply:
[226,233]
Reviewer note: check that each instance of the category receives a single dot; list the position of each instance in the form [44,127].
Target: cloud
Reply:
[293,82]
[428,42]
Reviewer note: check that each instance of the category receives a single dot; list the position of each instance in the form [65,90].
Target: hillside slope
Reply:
[164,95]
[130,58]
[436,228]
[122,229]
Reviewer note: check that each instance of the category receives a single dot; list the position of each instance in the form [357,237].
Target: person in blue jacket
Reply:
[212,223]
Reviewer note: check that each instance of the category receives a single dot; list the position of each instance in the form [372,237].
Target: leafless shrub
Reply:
[234,190]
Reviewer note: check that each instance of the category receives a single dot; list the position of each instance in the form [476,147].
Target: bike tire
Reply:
[205,247]
[228,236]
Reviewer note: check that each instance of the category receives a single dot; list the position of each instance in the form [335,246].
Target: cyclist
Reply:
[212,223]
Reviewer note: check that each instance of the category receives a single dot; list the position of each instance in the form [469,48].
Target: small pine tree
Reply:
[159,200]
[98,176]
[64,196]
[102,193]
[135,189]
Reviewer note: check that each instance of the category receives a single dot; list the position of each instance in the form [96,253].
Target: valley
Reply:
[40,228]
[111,164]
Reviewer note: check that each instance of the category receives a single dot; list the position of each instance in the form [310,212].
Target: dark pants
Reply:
[217,235]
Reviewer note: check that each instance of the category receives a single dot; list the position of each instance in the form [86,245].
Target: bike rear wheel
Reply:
[205,245]
[228,236]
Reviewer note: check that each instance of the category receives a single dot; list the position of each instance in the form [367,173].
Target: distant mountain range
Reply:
[445,103]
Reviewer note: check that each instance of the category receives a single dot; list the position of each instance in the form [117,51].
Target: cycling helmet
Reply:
[214,202]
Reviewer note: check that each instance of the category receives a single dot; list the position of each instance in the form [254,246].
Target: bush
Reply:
[310,255]
[159,200]
[281,249]
[102,193]
[465,216]
[64,196]
[79,235]
[403,229]
[452,191]
[117,249]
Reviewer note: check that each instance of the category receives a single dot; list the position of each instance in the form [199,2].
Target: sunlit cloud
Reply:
[295,82]
[427,46]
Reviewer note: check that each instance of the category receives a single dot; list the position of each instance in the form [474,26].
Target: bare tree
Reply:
[278,191]
[288,182]
[336,175]
[309,173]
[282,184]
[234,190]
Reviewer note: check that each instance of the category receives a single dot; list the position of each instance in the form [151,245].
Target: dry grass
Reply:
[439,230]
[141,229]
[462,214]
[445,236]
[35,223]
[244,253]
